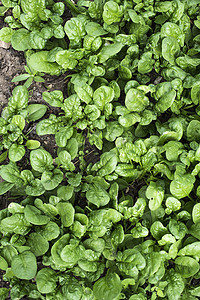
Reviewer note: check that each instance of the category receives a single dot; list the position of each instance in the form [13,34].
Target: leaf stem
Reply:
[72,6]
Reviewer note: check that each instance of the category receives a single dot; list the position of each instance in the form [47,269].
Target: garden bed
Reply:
[99,150]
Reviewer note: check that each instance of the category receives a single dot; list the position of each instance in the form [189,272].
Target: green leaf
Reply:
[51,180]
[63,135]
[41,160]
[15,224]
[175,285]
[50,231]
[108,287]
[16,152]
[66,211]
[65,192]
[20,40]
[165,101]
[103,95]
[10,173]
[186,266]
[57,249]
[94,29]
[64,158]
[6,34]
[67,59]
[146,63]
[46,280]
[84,93]
[72,253]
[112,12]
[4,293]
[193,131]
[181,186]
[75,29]
[170,48]
[88,266]
[127,170]
[158,230]
[195,93]
[19,121]
[48,126]
[3,156]
[92,112]
[34,216]
[32,144]
[155,194]
[139,231]
[39,62]
[37,243]
[35,188]
[97,195]
[5,187]
[24,265]
[192,249]
[109,50]
[54,98]
[106,165]
[19,99]
[196,213]
[36,111]
[136,100]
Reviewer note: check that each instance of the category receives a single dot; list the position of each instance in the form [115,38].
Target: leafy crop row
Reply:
[127,224]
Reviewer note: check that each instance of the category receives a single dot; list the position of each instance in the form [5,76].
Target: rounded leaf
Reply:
[136,100]
[196,213]
[186,266]
[37,243]
[24,265]
[46,280]
[41,160]
[107,288]
[16,152]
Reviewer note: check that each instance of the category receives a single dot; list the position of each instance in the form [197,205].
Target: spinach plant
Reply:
[115,213]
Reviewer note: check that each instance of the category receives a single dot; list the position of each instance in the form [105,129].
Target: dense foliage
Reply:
[127,224]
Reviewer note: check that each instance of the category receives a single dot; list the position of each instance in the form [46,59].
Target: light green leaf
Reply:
[34,215]
[186,266]
[24,265]
[20,40]
[19,121]
[66,211]
[36,111]
[16,152]
[155,194]
[51,180]
[41,160]
[94,29]
[136,100]
[103,95]
[46,280]
[108,287]
[63,135]
[39,62]
[175,285]
[97,195]
[37,243]
[181,186]
[192,249]
[15,224]
[32,144]
[112,12]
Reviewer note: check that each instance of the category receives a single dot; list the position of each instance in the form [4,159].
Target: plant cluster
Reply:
[125,225]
